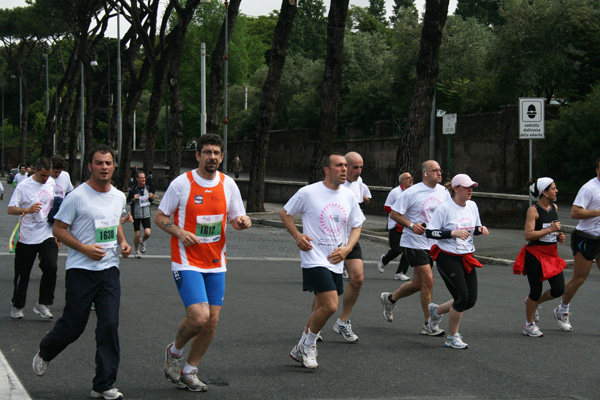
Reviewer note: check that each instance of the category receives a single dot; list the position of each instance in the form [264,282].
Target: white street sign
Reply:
[449,124]
[531,118]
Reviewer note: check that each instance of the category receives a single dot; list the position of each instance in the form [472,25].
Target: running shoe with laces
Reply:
[381,265]
[532,330]
[431,330]
[142,246]
[39,365]
[345,329]
[15,312]
[42,311]
[110,394]
[309,355]
[455,342]
[401,277]
[295,354]
[434,317]
[536,316]
[388,306]
[191,382]
[172,368]
[562,319]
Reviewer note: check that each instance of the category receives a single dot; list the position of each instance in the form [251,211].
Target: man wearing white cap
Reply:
[413,210]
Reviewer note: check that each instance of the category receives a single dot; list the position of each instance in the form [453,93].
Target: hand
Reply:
[35,208]
[244,221]
[136,196]
[151,196]
[555,226]
[484,231]
[95,252]
[418,229]
[338,255]
[127,218]
[460,234]
[303,242]
[561,237]
[125,249]
[188,238]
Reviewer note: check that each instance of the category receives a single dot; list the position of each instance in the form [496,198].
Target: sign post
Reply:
[449,128]
[531,125]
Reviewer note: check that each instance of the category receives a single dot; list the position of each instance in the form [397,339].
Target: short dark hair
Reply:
[138,172]
[58,162]
[100,148]
[326,161]
[43,163]
[209,138]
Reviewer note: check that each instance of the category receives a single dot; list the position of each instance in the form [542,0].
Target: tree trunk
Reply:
[216,70]
[436,12]
[266,111]
[73,133]
[332,83]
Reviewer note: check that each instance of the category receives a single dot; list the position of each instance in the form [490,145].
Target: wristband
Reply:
[410,226]
[84,247]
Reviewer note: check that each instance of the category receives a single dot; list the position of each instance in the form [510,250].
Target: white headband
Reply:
[542,184]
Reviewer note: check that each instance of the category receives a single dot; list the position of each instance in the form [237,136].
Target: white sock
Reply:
[528,323]
[187,368]
[563,309]
[311,338]
[175,351]
[301,342]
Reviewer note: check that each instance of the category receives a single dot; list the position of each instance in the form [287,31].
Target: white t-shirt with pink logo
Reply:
[34,226]
[63,184]
[417,204]
[451,217]
[327,217]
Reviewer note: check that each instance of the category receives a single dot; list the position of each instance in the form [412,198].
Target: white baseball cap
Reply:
[463,180]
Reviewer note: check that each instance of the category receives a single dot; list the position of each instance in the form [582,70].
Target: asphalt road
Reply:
[264,312]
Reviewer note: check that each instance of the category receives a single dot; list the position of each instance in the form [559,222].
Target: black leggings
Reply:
[461,285]
[534,274]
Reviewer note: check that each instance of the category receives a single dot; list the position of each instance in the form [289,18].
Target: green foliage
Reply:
[309,32]
[569,150]
[377,10]
[402,9]
[487,12]
[361,20]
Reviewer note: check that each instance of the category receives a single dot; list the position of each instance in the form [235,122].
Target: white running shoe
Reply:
[388,306]
[295,354]
[138,254]
[434,318]
[309,356]
[381,265]
[345,274]
[432,330]
[401,277]
[345,329]
[110,394]
[536,316]
[42,311]
[455,342]
[15,312]
[562,319]
[532,330]
[191,382]
[39,365]
[172,368]
[142,246]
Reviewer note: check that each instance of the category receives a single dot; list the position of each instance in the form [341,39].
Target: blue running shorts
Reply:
[200,287]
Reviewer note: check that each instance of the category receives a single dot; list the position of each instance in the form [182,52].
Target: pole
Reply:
[448,168]
[109,95]
[134,130]
[119,116]
[81,128]
[166,133]
[2,160]
[225,120]
[47,93]
[530,168]
[203,88]
[432,129]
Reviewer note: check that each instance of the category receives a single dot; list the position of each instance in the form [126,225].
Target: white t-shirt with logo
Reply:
[327,217]
[93,218]
[417,204]
[34,226]
[358,188]
[588,197]
[63,184]
[450,216]
[389,202]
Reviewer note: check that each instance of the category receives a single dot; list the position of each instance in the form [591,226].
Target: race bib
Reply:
[551,237]
[144,201]
[208,228]
[106,232]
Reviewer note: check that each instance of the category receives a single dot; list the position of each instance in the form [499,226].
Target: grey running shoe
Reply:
[172,368]
[388,306]
[434,318]
[431,330]
[138,254]
[455,342]
[309,356]
[401,277]
[345,329]
[142,246]
[39,365]
[42,311]
[532,330]
[562,319]
[536,316]
[381,265]
[191,382]
[295,354]
[15,312]
[110,394]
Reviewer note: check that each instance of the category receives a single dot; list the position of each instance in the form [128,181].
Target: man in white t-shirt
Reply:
[88,223]
[61,177]
[413,210]
[395,231]
[201,202]
[21,176]
[331,221]
[585,244]
[353,264]
[33,199]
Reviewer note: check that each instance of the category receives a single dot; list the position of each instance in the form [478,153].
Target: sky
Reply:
[252,8]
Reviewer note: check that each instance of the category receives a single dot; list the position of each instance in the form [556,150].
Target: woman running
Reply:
[454,223]
[539,258]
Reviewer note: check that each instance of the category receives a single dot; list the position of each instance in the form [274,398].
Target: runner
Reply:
[140,197]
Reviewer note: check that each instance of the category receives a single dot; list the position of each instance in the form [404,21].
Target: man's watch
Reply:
[410,226]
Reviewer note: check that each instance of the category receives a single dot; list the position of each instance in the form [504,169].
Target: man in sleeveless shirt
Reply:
[201,202]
